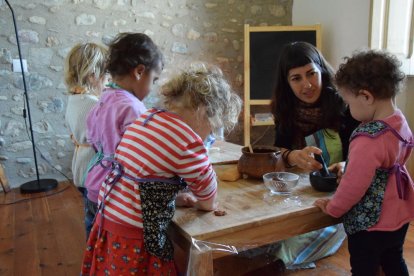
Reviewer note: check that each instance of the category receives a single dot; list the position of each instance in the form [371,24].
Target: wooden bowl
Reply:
[262,160]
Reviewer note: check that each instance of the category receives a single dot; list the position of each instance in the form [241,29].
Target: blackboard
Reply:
[265,49]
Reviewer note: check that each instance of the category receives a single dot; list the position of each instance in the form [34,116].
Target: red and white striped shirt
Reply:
[162,148]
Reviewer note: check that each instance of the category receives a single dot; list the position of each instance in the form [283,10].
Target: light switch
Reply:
[17,67]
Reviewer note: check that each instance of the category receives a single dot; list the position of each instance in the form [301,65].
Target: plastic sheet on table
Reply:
[234,261]
[251,258]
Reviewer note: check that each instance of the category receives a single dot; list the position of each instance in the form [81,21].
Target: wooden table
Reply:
[223,152]
[253,219]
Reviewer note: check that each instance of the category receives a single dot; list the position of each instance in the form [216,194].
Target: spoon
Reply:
[324,171]
[250,148]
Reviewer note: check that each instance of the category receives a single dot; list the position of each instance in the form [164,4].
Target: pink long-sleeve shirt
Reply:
[365,156]
[106,123]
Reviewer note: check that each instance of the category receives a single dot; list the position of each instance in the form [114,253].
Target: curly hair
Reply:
[373,70]
[203,86]
[284,101]
[128,50]
[83,61]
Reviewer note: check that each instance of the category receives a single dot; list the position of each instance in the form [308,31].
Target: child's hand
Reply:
[337,168]
[322,203]
[185,200]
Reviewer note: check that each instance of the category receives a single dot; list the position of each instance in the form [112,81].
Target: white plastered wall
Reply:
[345,28]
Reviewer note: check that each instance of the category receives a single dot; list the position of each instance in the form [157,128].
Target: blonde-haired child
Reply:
[160,154]
[84,78]
[85,68]
[375,196]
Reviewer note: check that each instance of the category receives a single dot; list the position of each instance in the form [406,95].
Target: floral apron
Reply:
[366,213]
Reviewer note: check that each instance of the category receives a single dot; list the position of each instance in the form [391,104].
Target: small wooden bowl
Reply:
[262,160]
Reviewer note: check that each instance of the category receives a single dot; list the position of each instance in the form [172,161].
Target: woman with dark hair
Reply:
[311,118]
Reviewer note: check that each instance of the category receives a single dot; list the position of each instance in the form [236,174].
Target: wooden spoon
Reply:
[250,148]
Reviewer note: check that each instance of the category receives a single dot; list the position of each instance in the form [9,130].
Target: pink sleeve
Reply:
[365,156]
[129,114]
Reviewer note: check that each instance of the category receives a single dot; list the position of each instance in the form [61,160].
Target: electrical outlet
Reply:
[17,67]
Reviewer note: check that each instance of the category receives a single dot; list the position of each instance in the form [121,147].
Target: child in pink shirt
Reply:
[135,63]
[375,197]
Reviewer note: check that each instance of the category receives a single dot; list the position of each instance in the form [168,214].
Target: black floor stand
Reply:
[38,185]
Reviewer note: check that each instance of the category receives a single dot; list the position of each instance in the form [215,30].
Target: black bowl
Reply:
[323,183]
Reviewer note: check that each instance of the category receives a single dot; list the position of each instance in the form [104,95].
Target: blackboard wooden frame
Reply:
[286,34]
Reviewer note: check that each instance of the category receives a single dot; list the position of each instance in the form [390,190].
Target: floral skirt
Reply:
[118,252]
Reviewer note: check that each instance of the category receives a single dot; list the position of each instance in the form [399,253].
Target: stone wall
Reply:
[185,30]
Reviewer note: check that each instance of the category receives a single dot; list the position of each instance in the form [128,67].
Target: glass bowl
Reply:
[280,183]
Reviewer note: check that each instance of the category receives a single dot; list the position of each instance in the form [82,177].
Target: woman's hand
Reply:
[322,203]
[185,200]
[337,168]
[304,158]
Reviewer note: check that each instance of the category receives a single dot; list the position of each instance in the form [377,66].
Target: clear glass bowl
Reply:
[280,183]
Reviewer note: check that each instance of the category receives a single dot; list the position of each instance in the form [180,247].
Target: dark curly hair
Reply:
[128,50]
[284,101]
[373,70]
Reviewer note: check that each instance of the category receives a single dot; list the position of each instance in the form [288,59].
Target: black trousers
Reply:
[370,250]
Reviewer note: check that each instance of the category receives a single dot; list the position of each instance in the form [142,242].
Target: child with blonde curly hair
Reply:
[375,196]
[84,78]
[159,155]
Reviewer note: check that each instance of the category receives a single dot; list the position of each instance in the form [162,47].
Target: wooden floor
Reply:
[43,234]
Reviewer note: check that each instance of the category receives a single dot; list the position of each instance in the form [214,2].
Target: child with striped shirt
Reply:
[160,154]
